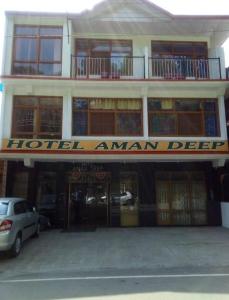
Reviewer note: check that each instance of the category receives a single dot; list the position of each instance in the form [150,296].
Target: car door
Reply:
[21,219]
[31,219]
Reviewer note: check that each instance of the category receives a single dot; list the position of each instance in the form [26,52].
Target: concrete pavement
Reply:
[121,249]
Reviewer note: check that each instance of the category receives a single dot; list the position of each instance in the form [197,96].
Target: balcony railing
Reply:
[138,67]
[184,68]
[115,67]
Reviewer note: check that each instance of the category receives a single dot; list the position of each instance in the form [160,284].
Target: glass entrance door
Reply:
[88,204]
[129,199]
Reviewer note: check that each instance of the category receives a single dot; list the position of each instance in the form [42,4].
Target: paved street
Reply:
[115,263]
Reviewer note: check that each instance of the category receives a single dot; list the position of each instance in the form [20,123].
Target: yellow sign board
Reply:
[106,147]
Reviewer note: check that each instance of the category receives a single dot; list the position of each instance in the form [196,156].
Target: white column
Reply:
[7,111]
[146,62]
[145,118]
[8,46]
[222,118]
[66,49]
[2,101]
[67,117]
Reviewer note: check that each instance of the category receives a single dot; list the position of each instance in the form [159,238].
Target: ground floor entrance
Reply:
[88,204]
[119,194]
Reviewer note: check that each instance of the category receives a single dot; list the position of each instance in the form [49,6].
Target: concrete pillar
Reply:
[67,117]
[146,62]
[145,117]
[66,49]
[222,118]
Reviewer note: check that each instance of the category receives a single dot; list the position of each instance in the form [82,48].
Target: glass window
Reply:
[37,117]
[23,120]
[50,50]
[163,124]
[114,117]
[19,208]
[187,105]
[25,49]
[103,123]
[80,124]
[183,117]
[190,124]
[129,124]
[3,208]
[34,54]
[26,30]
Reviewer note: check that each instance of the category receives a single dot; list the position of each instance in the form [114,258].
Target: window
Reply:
[181,198]
[37,117]
[3,208]
[107,117]
[178,60]
[106,57]
[37,50]
[183,117]
[19,208]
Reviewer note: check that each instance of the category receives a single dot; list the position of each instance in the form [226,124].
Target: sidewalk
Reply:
[120,249]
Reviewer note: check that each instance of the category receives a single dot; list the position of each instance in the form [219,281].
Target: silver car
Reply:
[18,222]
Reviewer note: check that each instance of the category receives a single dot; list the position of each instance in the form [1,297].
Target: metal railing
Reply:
[184,68]
[115,67]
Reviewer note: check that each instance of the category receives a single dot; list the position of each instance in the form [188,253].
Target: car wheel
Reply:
[16,248]
[37,232]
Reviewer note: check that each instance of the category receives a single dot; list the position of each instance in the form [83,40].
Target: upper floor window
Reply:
[37,117]
[37,50]
[107,117]
[178,60]
[105,58]
[179,49]
[183,117]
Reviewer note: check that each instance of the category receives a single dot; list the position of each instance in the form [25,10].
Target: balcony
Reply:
[184,68]
[130,68]
[116,67]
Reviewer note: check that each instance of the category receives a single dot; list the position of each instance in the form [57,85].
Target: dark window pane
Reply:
[24,119]
[209,105]
[154,104]
[19,208]
[52,101]
[210,124]
[27,101]
[27,30]
[79,123]
[25,68]
[50,69]
[187,105]
[190,124]
[158,47]
[102,123]
[129,124]
[121,47]
[50,50]
[162,124]
[25,49]
[51,120]
[80,104]
[51,31]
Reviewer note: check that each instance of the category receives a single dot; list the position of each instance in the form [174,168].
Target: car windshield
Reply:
[3,208]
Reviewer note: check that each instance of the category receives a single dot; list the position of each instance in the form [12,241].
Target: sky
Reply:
[202,7]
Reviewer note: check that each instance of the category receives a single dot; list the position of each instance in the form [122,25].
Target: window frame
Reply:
[115,111]
[38,38]
[37,109]
[175,112]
